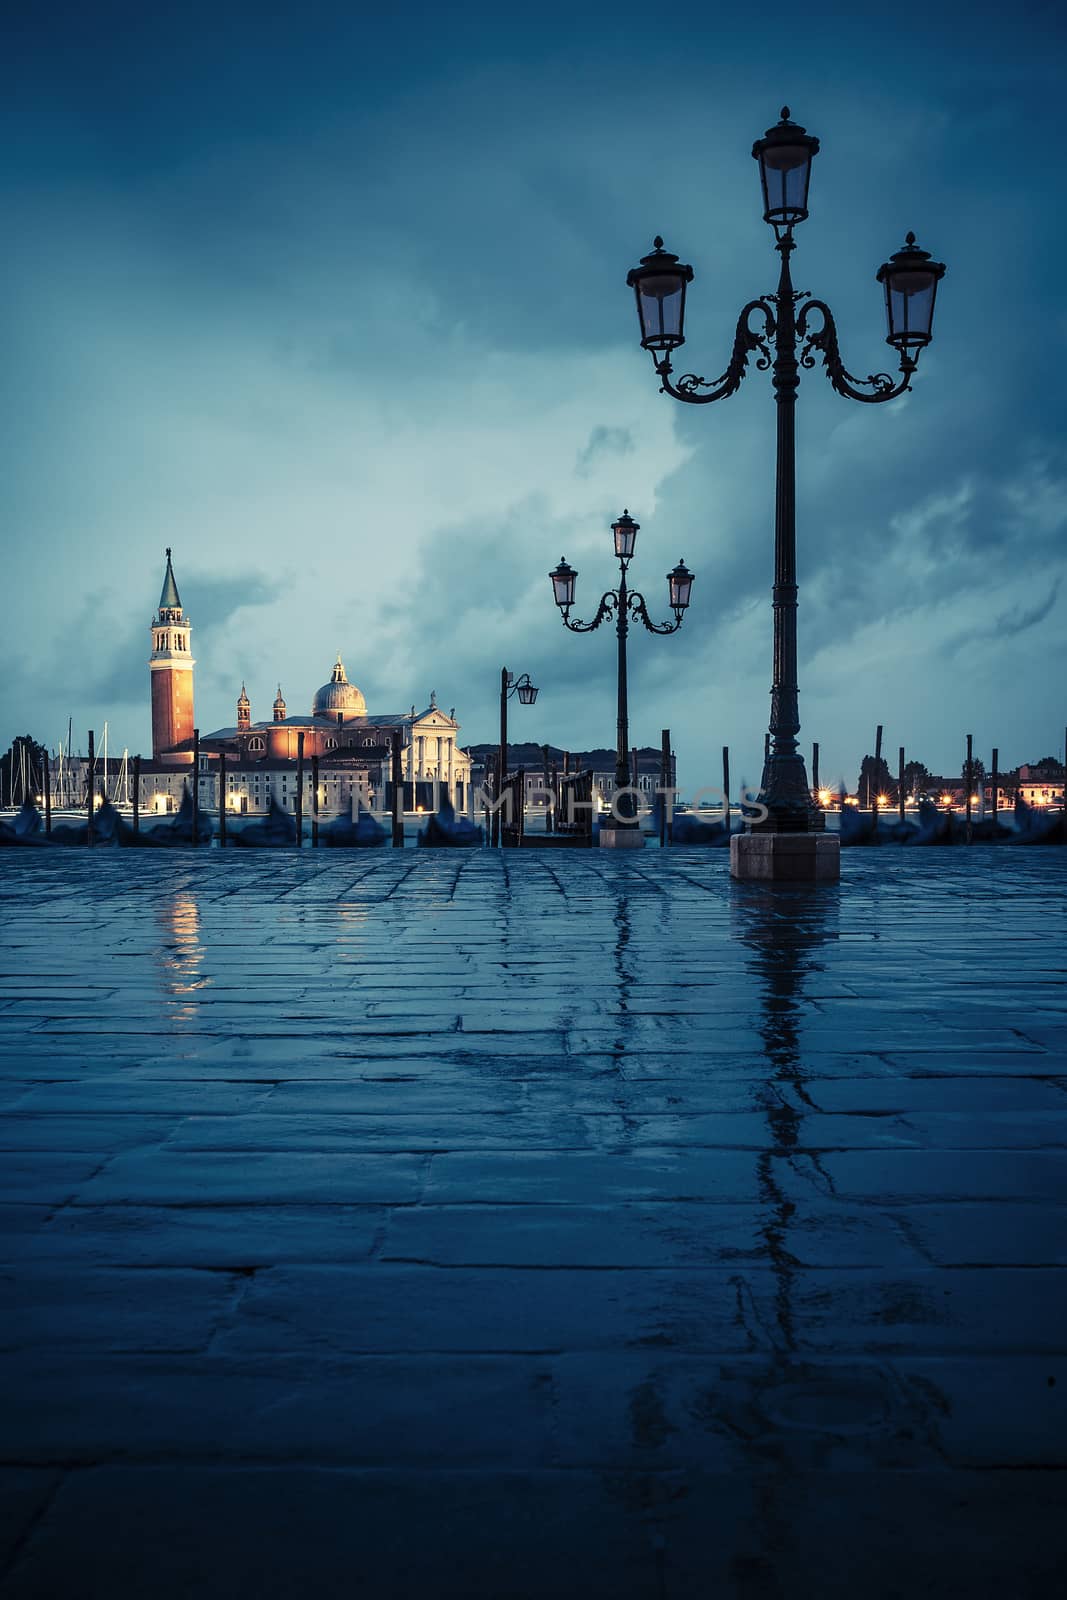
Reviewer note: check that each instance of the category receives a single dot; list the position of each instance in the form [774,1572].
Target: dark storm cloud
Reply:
[604,442]
[1007,624]
[281,278]
[117,658]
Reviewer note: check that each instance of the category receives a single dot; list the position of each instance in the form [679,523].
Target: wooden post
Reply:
[666,798]
[726,784]
[398,791]
[91,789]
[314,802]
[815,771]
[222,799]
[196,785]
[136,794]
[299,808]
[996,784]
[900,783]
[548,792]
[968,778]
[48,791]
[873,805]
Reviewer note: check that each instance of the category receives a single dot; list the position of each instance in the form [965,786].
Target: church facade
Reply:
[351,747]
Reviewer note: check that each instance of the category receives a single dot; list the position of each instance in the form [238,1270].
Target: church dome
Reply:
[338,696]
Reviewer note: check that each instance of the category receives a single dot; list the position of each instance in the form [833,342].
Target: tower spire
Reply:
[169,599]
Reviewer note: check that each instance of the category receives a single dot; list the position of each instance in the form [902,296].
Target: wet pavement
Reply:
[458,1224]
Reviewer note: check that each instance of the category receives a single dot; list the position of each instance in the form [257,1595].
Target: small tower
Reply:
[279,706]
[244,711]
[171,668]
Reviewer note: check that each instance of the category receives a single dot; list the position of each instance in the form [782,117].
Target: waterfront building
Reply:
[352,745]
[531,759]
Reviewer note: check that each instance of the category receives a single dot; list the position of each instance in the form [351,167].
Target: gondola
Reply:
[446,831]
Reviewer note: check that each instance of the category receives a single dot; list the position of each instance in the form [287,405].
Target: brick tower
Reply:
[171,668]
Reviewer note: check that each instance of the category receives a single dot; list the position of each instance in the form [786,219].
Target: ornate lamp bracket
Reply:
[746,342]
[635,604]
[608,604]
[824,341]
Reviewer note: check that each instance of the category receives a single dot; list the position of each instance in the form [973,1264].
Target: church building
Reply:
[352,747]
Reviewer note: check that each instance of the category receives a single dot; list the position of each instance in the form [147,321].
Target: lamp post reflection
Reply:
[783,931]
[181,955]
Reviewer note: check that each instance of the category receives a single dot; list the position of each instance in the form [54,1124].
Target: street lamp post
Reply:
[622,603]
[527,694]
[791,330]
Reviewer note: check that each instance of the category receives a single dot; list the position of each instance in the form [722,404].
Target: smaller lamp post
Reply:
[527,694]
[622,603]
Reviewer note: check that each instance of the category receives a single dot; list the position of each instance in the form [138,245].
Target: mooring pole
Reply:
[299,790]
[726,786]
[398,787]
[900,783]
[48,791]
[548,792]
[196,785]
[222,799]
[136,794]
[996,785]
[91,789]
[969,780]
[314,802]
[815,773]
[873,805]
[665,795]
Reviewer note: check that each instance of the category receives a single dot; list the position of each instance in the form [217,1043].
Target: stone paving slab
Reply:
[183,1530]
[509,1227]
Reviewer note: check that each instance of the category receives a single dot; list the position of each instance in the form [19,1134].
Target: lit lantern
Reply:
[625,531]
[785,155]
[680,584]
[910,279]
[563,580]
[659,285]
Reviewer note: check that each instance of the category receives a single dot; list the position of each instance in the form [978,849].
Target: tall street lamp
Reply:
[622,603]
[786,842]
[527,694]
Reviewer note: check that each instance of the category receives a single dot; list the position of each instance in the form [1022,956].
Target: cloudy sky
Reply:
[330,297]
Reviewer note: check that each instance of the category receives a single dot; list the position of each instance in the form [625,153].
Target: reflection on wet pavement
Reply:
[524,1226]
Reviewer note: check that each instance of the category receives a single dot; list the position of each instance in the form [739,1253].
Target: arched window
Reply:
[256,743]
[331,744]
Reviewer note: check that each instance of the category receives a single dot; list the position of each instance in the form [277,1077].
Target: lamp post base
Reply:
[621,838]
[786,857]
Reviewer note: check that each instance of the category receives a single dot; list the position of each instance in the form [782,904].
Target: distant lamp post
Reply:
[622,604]
[526,694]
[791,330]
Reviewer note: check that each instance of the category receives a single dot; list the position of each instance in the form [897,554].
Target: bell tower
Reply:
[244,711]
[171,669]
